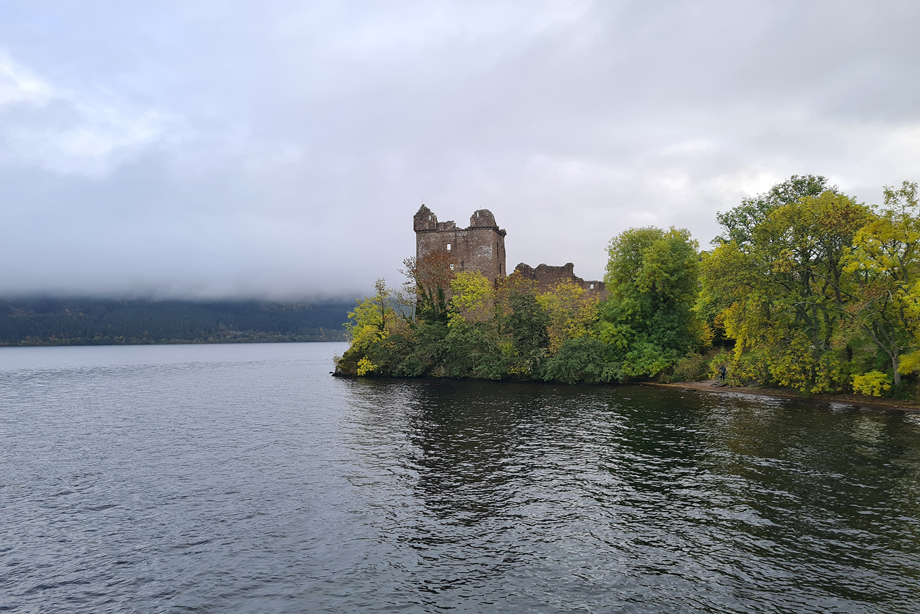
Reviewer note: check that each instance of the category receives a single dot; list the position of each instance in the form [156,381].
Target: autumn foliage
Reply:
[804,288]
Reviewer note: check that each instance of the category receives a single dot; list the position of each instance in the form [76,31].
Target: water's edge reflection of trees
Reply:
[640,480]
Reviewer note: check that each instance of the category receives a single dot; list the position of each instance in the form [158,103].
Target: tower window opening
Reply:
[451,267]
[448,247]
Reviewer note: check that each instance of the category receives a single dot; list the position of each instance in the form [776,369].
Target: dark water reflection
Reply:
[245,479]
[637,498]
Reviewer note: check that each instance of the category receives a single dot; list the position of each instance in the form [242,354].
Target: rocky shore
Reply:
[716,387]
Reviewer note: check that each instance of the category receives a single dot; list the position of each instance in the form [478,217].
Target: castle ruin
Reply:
[546,277]
[481,247]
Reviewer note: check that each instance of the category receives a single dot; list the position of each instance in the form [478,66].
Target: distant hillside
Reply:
[52,321]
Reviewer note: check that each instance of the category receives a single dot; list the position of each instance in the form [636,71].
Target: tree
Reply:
[428,280]
[886,262]
[738,224]
[471,298]
[572,312]
[780,289]
[373,320]
[519,326]
[652,286]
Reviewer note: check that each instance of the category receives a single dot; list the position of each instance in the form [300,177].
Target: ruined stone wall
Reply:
[547,277]
[480,247]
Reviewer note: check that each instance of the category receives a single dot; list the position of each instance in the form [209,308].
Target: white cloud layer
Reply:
[280,149]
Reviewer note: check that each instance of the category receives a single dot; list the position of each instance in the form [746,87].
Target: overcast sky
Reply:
[280,149]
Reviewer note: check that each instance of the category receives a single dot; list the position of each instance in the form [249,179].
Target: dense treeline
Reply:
[818,292]
[83,321]
[805,288]
[460,325]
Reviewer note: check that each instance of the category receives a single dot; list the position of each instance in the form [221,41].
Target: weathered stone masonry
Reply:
[548,276]
[481,247]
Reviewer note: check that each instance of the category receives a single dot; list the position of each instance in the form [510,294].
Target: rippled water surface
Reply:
[245,479]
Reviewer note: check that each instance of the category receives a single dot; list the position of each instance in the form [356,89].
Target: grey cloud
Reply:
[281,150]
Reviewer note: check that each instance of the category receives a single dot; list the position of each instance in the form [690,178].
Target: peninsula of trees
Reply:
[804,288]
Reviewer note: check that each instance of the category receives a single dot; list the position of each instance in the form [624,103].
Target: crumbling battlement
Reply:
[547,277]
[480,247]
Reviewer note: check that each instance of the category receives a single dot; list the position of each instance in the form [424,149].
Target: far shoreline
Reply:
[714,387]
[180,342]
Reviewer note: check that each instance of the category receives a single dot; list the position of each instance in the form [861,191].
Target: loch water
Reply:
[243,478]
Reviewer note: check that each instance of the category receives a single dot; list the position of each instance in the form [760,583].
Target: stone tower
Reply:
[481,247]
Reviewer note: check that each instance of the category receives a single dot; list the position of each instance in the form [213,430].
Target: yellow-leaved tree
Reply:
[471,298]
[780,289]
[572,312]
[885,261]
[372,320]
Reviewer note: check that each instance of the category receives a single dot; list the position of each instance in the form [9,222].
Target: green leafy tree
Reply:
[739,223]
[584,359]
[652,283]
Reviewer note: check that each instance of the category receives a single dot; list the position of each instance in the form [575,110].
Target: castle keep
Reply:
[481,247]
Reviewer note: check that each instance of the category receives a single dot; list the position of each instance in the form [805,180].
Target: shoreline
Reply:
[779,393]
[713,387]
